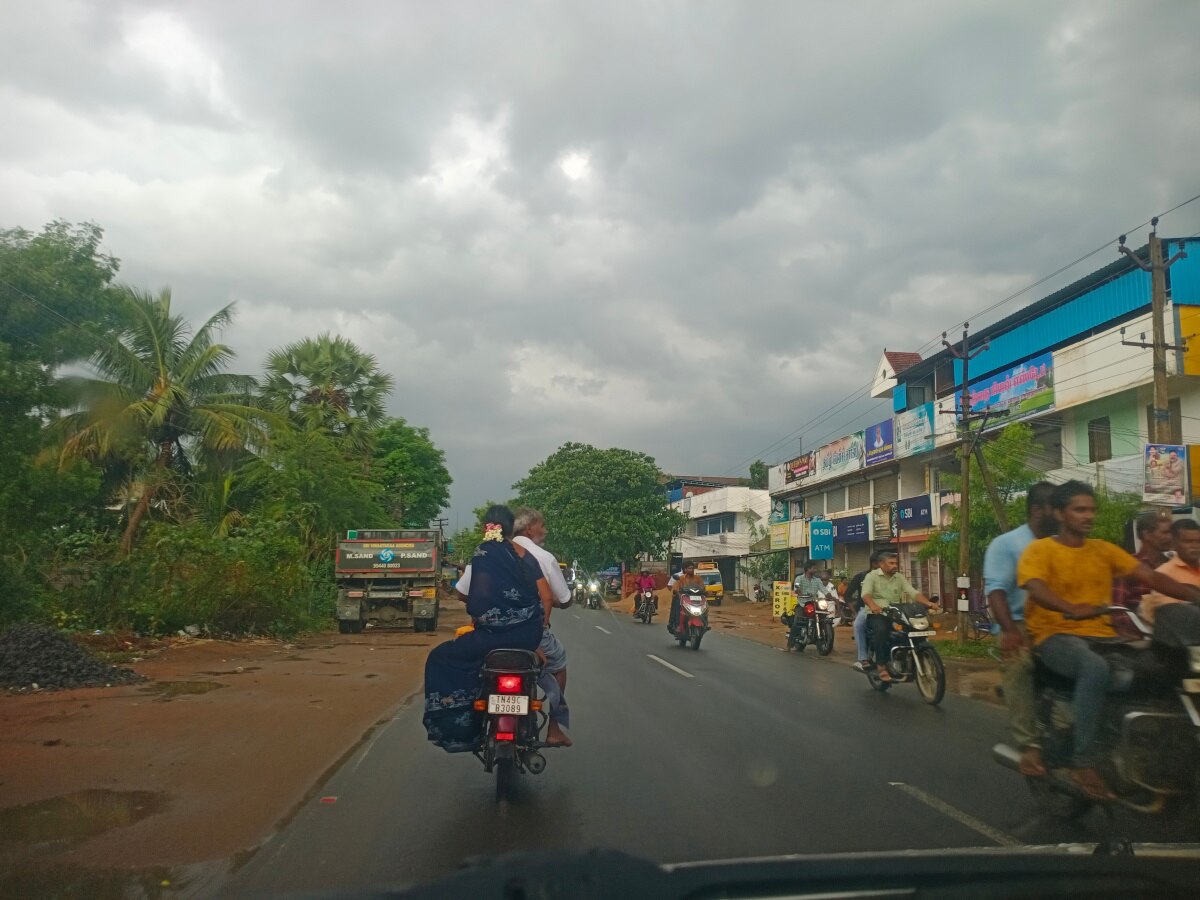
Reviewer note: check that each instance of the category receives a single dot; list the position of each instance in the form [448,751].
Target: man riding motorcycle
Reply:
[645,582]
[687,579]
[880,589]
[1069,579]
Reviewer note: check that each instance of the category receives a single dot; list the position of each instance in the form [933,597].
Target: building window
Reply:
[835,500]
[797,509]
[886,489]
[1099,440]
[721,524]
[860,494]
[1175,432]
[915,396]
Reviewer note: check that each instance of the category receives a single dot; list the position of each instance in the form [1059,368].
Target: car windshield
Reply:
[342,345]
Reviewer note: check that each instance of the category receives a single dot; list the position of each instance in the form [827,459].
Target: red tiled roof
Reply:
[899,360]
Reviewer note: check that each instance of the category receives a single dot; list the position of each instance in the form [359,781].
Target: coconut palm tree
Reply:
[329,383]
[158,399]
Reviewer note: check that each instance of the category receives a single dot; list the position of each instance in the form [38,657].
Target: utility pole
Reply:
[1160,430]
[963,353]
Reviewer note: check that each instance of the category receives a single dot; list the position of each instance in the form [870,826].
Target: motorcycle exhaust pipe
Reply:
[1007,756]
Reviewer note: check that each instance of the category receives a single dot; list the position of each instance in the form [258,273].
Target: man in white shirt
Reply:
[529,530]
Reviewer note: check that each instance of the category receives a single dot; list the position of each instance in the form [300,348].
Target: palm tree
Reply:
[158,399]
[328,383]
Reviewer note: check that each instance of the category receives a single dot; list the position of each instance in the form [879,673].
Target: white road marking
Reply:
[605,630]
[663,662]
[962,818]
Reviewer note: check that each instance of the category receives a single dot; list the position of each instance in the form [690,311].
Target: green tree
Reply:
[758,475]
[1007,457]
[328,383]
[159,399]
[1114,511]
[412,471]
[601,506]
[764,564]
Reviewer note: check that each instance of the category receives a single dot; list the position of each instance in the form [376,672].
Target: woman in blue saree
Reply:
[508,601]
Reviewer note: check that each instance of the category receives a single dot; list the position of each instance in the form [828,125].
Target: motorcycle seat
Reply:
[511,661]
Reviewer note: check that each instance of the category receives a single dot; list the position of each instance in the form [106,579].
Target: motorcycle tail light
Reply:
[509,684]
[505,736]
[810,608]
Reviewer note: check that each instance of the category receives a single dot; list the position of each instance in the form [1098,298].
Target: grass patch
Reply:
[952,649]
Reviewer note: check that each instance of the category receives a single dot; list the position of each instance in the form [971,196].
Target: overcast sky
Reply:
[682,228]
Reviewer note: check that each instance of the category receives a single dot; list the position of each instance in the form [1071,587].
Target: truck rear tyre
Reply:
[424,624]
[349,626]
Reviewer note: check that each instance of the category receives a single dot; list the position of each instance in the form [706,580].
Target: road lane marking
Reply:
[962,818]
[663,662]
[605,630]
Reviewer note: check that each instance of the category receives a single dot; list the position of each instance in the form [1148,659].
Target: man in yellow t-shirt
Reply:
[1069,582]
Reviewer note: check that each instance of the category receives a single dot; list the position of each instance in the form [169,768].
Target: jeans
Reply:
[860,634]
[879,628]
[1017,678]
[1177,625]
[1073,657]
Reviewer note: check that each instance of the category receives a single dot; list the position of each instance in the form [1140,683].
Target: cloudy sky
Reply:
[683,228]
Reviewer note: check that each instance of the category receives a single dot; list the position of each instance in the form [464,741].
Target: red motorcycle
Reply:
[511,733]
[691,621]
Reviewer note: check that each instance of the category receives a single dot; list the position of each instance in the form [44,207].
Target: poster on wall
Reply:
[779,536]
[779,511]
[880,443]
[885,521]
[1166,480]
[841,456]
[800,468]
[1022,390]
[914,431]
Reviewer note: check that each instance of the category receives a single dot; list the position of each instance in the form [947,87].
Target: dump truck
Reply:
[388,578]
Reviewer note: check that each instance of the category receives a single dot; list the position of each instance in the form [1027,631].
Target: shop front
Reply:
[851,543]
[914,521]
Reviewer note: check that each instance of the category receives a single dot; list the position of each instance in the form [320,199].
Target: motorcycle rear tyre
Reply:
[505,774]
[932,688]
[825,642]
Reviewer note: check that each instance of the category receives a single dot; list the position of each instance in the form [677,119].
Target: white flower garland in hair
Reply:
[493,532]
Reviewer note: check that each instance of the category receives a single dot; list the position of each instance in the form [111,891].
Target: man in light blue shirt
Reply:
[1006,600]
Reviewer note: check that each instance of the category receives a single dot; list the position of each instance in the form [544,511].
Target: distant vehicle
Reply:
[713,585]
[388,578]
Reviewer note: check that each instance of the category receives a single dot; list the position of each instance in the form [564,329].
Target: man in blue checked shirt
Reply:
[1007,604]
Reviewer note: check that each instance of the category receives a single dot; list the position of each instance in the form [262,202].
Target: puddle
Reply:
[169,689]
[59,880]
[77,816]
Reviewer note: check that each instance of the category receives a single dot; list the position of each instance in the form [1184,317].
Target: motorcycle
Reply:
[647,606]
[510,740]
[692,622]
[1149,736]
[811,623]
[912,657]
[594,600]
[760,593]
[579,593]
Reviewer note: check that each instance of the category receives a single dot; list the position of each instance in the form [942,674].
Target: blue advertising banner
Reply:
[820,539]
[852,530]
[880,443]
[915,512]
[1021,390]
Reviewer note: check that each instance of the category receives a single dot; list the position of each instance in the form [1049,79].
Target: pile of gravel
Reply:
[35,657]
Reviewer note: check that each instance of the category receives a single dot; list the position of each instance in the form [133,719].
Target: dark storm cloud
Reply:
[687,228]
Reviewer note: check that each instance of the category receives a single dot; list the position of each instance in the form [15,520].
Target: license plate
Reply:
[922,633]
[508,704]
[1191,685]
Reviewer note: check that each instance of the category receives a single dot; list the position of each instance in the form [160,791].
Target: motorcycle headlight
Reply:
[1194,658]
[919,623]
[822,604]
[593,586]
[694,609]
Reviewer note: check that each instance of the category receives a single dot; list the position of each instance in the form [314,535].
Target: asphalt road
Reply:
[735,750]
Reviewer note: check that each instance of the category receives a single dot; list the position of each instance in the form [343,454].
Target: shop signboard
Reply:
[803,466]
[783,601]
[820,539]
[1022,390]
[915,512]
[886,522]
[852,530]
[1166,479]
[841,456]
[880,443]
[914,431]
[779,536]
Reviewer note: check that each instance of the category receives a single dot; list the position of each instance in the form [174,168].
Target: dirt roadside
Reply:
[202,761]
[974,678]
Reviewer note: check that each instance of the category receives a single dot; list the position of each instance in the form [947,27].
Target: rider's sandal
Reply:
[1092,785]
[1031,763]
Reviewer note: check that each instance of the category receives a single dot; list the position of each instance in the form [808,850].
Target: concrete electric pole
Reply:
[1160,426]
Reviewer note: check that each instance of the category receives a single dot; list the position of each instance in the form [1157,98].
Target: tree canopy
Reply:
[601,506]
[412,471]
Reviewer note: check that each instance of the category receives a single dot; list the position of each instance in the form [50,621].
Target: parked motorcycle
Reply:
[594,598]
[511,735]
[647,606]
[811,623]
[912,656]
[1149,737]
[692,622]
